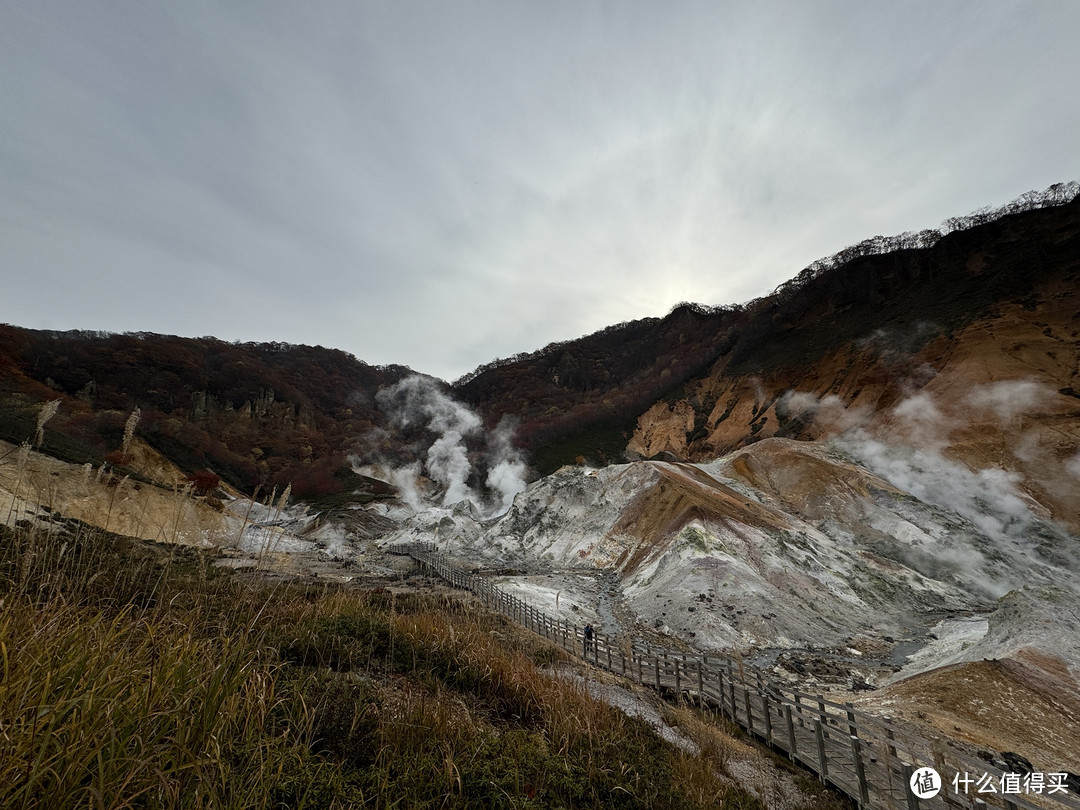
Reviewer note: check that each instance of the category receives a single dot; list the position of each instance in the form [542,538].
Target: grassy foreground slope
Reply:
[136,675]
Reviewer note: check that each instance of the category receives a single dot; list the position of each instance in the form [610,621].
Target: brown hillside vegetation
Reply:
[582,396]
[257,414]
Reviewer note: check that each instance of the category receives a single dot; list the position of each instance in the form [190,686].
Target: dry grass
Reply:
[133,675]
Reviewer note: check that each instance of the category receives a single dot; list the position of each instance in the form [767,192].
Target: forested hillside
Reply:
[583,397]
[257,414]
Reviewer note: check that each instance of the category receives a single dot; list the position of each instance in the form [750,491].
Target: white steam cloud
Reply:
[829,414]
[1008,399]
[920,422]
[405,479]
[449,462]
[990,499]
[910,450]
[506,475]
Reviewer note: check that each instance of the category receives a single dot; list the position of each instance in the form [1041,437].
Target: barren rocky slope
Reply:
[799,558]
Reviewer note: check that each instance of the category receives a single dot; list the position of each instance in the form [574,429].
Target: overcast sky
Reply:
[442,183]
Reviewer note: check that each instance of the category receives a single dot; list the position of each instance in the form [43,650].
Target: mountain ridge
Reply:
[922,287]
[264,415]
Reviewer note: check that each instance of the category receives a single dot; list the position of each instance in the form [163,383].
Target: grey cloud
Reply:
[442,184]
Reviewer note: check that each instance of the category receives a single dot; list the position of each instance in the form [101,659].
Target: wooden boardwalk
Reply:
[867,757]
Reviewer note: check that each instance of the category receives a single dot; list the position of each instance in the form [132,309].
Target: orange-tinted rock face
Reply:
[1003,392]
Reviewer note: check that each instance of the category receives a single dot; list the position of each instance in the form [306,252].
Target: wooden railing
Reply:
[865,756]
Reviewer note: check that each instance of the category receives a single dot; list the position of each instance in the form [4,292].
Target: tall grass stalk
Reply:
[129,431]
[24,454]
[47,412]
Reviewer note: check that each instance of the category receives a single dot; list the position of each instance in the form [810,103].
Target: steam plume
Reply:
[914,459]
[506,474]
[910,450]
[419,401]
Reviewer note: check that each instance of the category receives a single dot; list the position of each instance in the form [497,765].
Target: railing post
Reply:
[749,712]
[860,770]
[766,709]
[731,696]
[678,682]
[823,762]
[794,749]
[657,659]
[912,799]
[891,754]
[720,690]
[701,681]
[889,736]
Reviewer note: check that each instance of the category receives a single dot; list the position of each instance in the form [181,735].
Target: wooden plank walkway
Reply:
[867,757]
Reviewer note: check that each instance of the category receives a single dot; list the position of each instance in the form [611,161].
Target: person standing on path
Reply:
[587,635]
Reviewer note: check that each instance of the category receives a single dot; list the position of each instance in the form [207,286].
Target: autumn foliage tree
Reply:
[204,481]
